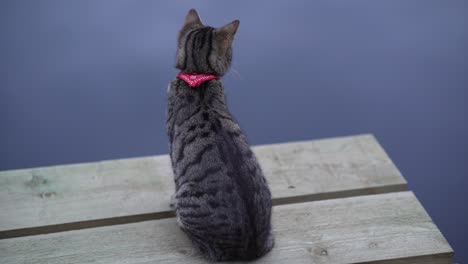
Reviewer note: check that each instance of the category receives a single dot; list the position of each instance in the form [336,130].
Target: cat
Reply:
[222,200]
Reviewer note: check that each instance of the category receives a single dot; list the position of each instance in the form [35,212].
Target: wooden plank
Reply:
[385,228]
[60,198]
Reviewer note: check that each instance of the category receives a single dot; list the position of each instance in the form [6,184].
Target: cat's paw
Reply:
[173,202]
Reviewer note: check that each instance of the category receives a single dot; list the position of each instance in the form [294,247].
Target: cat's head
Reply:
[203,49]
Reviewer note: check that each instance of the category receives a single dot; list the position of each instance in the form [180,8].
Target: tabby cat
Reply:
[222,199]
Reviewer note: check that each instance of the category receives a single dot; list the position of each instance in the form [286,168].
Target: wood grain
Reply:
[67,197]
[388,228]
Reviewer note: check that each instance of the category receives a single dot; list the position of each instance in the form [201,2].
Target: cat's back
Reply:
[222,194]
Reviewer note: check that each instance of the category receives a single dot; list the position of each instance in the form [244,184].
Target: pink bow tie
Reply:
[194,79]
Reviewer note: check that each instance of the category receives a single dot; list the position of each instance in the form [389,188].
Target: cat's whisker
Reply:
[235,73]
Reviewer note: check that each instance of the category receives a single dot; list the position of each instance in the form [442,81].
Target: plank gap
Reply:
[42,230]
[340,194]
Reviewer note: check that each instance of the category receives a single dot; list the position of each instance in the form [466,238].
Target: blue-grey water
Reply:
[86,80]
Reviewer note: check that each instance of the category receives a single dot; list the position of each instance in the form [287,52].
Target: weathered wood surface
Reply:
[388,228]
[58,198]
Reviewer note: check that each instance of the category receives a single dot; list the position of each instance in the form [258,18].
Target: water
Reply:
[86,81]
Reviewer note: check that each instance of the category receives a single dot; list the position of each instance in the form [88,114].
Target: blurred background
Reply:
[86,80]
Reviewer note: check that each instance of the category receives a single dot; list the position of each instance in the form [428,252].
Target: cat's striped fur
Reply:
[222,200]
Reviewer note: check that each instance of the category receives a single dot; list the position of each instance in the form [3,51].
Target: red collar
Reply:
[195,79]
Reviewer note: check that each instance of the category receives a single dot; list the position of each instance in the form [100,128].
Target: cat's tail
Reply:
[266,245]
[258,249]
[262,240]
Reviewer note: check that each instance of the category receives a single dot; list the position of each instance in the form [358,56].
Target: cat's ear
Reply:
[192,18]
[230,28]
[225,34]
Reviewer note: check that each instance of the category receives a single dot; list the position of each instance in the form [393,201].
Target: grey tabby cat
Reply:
[222,200]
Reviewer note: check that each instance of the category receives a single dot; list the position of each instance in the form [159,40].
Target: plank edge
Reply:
[437,258]
[160,155]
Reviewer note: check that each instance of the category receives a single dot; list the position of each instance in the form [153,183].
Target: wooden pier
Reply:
[338,200]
